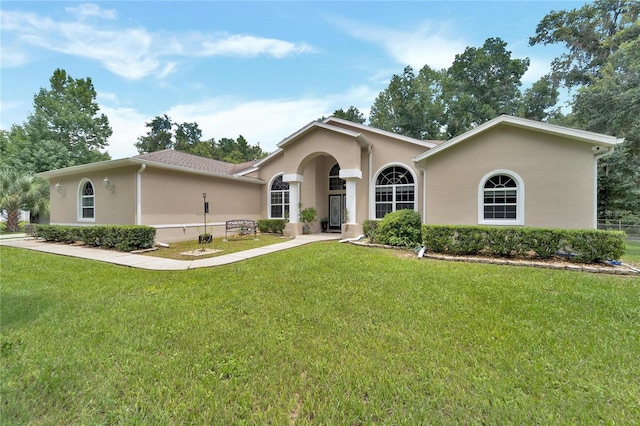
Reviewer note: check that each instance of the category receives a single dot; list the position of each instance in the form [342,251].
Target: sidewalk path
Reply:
[157,263]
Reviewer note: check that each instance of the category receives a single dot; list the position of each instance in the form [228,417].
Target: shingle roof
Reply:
[181,159]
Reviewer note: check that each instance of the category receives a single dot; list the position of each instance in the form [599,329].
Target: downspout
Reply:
[597,157]
[139,194]
[423,171]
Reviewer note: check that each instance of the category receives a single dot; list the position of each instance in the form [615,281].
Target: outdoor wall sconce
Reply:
[107,184]
[59,188]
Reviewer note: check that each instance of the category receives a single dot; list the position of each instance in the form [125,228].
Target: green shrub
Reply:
[505,241]
[369,228]
[585,244]
[592,245]
[59,233]
[543,242]
[275,226]
[402,228]
[123,238]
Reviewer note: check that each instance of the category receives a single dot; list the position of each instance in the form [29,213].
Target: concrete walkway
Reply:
[158,263]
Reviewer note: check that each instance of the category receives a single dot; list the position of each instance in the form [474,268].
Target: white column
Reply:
[350,200]
[350,176]
[294,200]
[294,181]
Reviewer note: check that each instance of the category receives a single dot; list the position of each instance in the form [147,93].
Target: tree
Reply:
[410,105]
[591,34]
[481,84]
[158,137]
[21,191]
[237,151]
[352,114]
[603,62]
[65,128]
[540,100]
[611,105]
[187,138]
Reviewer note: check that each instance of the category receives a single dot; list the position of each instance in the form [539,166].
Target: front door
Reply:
[336,211]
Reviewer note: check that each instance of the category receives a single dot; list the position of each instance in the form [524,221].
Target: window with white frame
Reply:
[86,201]
[501,199]
[335,182]
[394,190]
[279,198]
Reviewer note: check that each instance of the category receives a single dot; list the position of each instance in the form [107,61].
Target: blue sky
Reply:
[260,69]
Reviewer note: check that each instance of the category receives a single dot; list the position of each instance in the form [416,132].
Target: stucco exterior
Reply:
[554,167]
[558,176]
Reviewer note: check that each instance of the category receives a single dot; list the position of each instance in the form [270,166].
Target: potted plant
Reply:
[324,222]
[205,238]
[308,216]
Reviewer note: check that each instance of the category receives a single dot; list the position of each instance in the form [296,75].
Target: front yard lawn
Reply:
[326,333]
[233,245]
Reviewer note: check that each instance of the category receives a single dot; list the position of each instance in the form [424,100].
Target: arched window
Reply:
[86,202]
[501,199]
[395,190]
[335,183]
[279,199]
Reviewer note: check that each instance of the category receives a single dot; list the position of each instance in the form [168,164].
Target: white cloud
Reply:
[127,125]
[537,68]
[85,10]
[249,46]
[427,44]
[135,53]
[260,121]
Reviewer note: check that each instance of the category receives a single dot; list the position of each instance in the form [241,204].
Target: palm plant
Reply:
[21,191]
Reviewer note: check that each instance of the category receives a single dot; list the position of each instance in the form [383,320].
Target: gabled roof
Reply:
[575,134]
[168,160]
[426,144]
[320,125]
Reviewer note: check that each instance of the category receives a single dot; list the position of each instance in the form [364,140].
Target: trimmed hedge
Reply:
[582,245]
[122,238]
[401,228]
[275,226]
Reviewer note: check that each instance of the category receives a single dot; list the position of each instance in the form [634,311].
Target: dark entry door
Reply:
[336,211]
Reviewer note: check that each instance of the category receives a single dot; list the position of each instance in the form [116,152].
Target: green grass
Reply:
[233,245]
[326,333]
[632,254]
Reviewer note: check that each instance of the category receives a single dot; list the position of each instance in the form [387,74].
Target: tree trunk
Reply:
[13,220]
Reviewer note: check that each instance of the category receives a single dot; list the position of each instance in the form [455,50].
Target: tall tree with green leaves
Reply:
[159,136]
[410,105]
[21,191]
[481,84]
[187,137]
[603,62]
[65,128]
[352,114]
[590,34]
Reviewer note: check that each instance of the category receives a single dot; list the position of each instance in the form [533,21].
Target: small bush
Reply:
[402,228]
[123,238]
[369,228]
[275,226]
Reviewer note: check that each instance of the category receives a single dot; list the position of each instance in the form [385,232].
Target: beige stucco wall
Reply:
[313,155]
[173,202]
[558,175]
[115,207]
